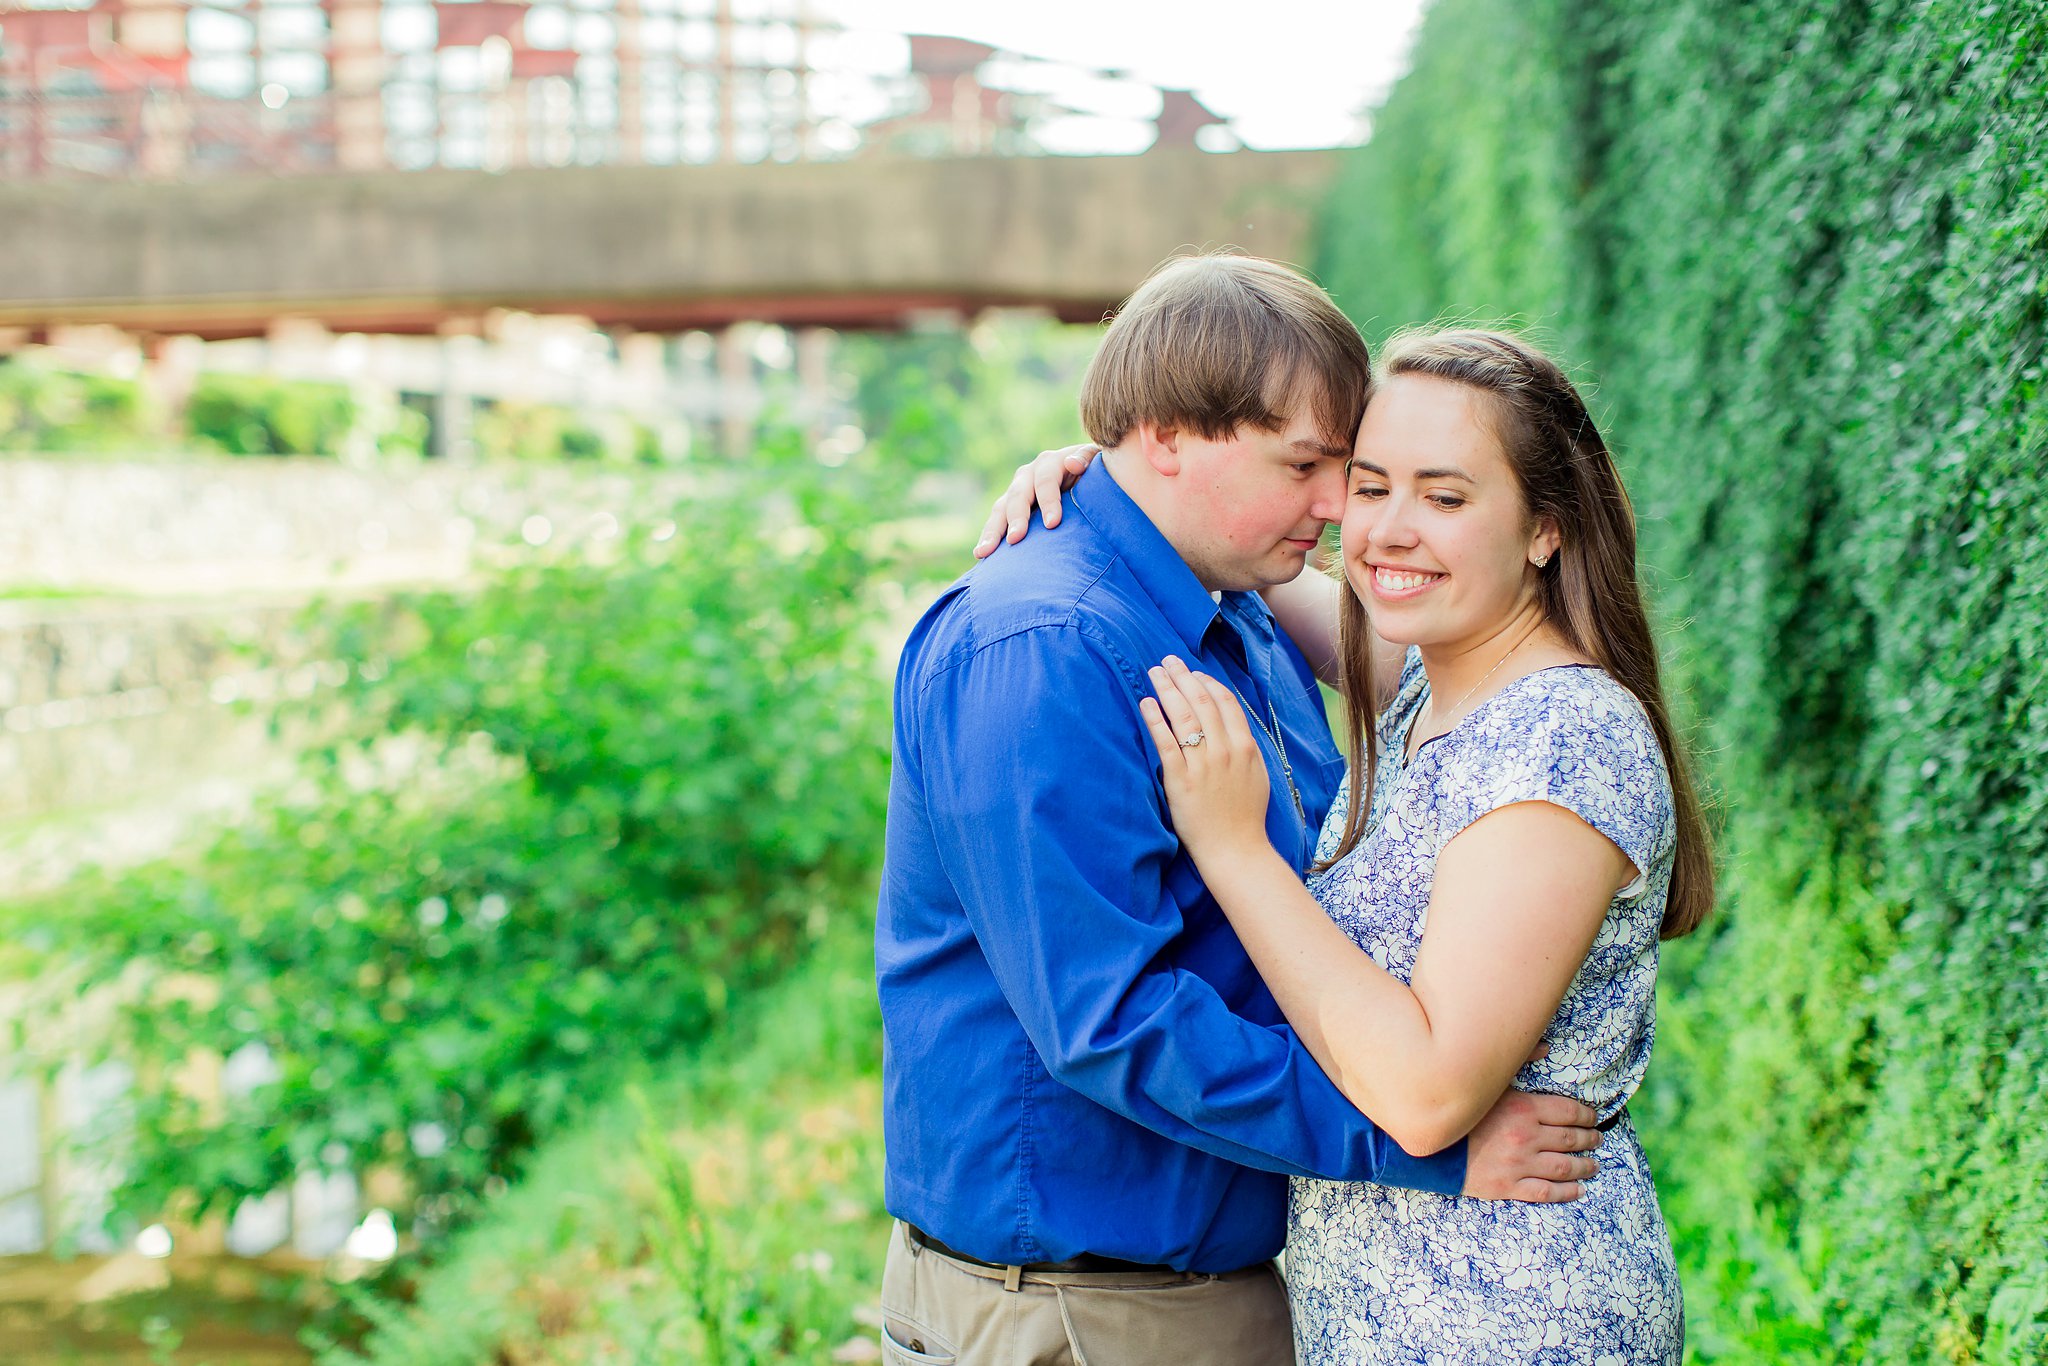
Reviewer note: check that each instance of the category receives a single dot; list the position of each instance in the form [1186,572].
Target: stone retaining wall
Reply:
[209,526]
[151,595]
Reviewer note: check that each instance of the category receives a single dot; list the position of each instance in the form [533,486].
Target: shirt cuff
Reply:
[1442,1173]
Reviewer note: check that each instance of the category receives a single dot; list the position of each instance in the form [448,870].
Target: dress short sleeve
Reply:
[1573,737]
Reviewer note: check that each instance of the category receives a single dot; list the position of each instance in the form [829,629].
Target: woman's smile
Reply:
[1396,583]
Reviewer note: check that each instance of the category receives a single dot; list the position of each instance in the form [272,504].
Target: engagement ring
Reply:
[1194,739]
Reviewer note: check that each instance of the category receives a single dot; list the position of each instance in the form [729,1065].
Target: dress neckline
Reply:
[1502,691]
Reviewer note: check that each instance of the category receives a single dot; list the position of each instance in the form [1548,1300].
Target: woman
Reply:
[1517,834]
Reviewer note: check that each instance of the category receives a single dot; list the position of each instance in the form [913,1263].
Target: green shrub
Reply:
[726,1210]
[536,432]
[405,430]
[982,399]
[258,415]
[57,411]
[569,818]
[1801,248]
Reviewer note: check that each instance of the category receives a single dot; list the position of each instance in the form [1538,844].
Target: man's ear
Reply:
[1160,447]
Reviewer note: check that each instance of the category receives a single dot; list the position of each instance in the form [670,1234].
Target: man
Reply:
[1091,1103]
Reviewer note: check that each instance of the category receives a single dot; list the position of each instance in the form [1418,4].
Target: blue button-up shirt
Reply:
[1077,1054]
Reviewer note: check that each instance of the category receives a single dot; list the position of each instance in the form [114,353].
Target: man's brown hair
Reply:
[1219,342]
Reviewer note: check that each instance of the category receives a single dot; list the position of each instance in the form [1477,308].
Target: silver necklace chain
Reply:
[1273,734]
[1480,684]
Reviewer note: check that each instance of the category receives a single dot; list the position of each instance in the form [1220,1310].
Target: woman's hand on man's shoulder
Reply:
[1037,483]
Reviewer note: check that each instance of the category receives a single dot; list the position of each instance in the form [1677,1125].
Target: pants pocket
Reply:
[911,1343]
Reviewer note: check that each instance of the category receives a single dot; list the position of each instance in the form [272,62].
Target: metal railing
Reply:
[177,133]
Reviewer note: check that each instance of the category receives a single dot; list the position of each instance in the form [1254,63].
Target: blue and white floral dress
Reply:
[1378,1274]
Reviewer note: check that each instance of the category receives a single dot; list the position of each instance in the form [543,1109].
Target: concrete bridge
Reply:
[854,244]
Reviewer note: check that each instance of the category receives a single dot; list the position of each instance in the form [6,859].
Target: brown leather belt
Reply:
[1082,1263]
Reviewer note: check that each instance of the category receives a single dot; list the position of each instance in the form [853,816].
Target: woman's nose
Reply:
[1394,527]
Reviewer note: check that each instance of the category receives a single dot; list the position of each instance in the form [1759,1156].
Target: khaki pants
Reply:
[940,1312]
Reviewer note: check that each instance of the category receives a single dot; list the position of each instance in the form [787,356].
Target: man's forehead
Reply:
[1307,406]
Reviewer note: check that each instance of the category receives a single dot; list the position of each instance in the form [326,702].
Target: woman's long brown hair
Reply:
[1588,590]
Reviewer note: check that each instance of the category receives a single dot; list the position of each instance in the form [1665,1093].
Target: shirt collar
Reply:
[1250,614]
[1158,567]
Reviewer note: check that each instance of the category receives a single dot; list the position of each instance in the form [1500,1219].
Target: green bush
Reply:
[258,415]
[1801,247]
[406,428]
[569,818]
[727,1211]
[536,432]
[57,411]
[983,399]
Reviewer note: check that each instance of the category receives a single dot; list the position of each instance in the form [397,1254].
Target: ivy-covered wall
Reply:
[1800,253]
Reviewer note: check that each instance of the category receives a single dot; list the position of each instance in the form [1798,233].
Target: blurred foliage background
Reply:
[515,946]
[49,410]
[1802,248]
[946,398]
[560,932]
[562,822]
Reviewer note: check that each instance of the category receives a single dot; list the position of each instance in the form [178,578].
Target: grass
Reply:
[50,592]
[727,1213]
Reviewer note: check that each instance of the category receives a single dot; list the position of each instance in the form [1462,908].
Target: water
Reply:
[113,1311]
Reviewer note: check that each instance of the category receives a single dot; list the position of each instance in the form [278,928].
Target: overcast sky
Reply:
[1287,73]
